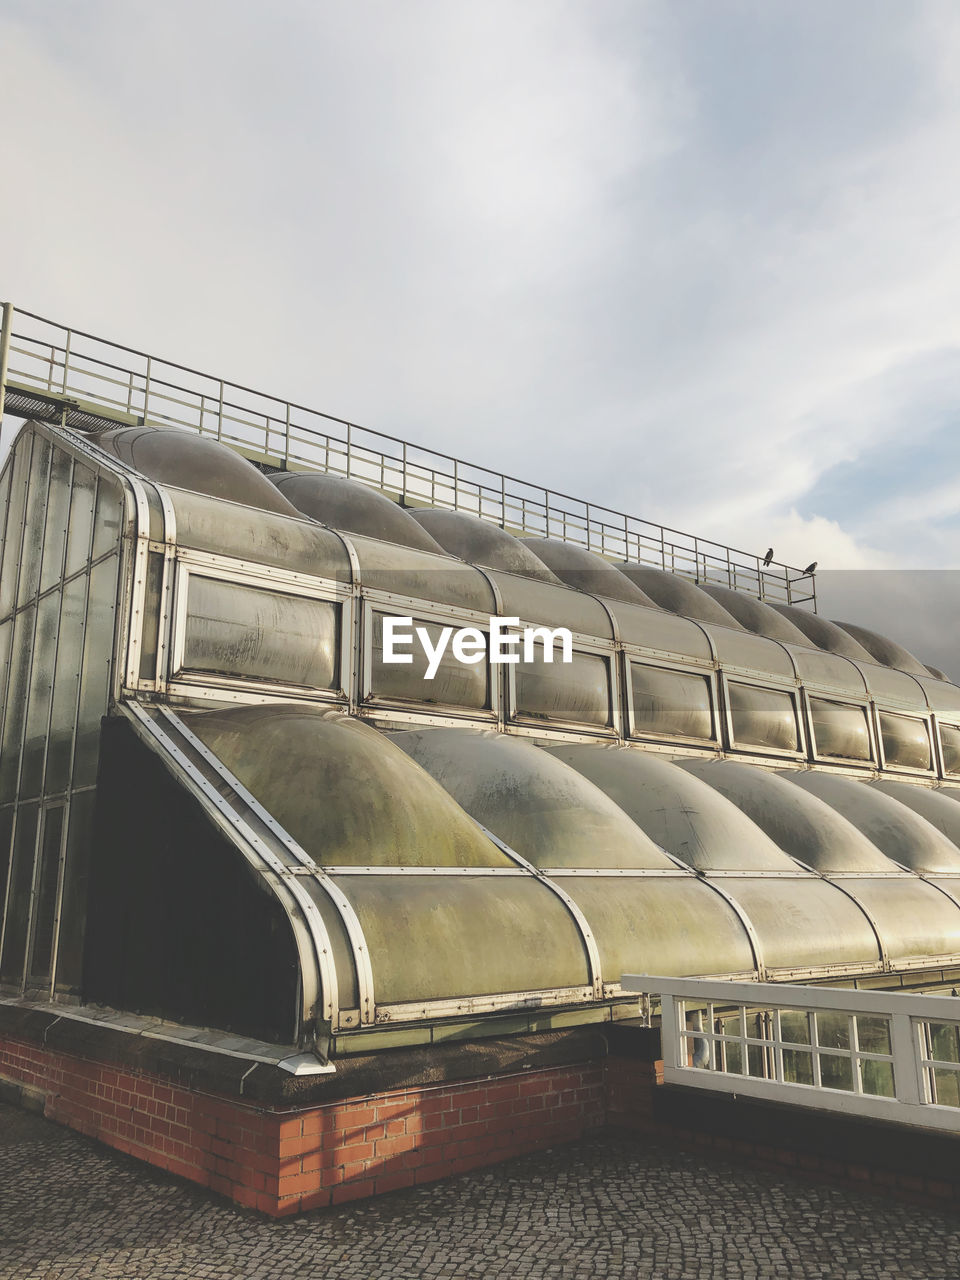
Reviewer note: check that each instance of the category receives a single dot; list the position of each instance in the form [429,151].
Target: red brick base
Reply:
[282,1162]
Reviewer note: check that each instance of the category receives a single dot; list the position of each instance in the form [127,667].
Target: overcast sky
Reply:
[695,260]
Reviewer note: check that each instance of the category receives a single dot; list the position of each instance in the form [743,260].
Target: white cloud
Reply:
[683,261]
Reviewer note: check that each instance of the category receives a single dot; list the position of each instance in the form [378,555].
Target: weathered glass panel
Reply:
[48,878]
[73,912]
[41,684]
[19,471]
[65,687]
[906,741]
[81,518]
[671,702]
[18,898]
[108,518]
[95,672]
[244,631]
[950,741]
[577,691]
[836,1072]
[16,702]
[455,684]
[840,730]
[763,717]
[33,522]
[57,519]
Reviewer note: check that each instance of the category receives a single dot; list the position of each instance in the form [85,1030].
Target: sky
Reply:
[699,261]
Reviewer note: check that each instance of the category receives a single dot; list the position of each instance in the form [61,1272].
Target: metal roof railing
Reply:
[55,373]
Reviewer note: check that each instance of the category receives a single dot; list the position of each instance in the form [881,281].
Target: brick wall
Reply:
[284,1161]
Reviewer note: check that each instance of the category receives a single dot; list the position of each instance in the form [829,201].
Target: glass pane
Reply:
[6,639]
[873,1034]
[755,1061]
[11,543]
[41,684]
[73,910]
[150,633]
[33,522]
[763,717]
[46,901]
[5,480]
[6,830]
[16,702]
[836,1072]
[577,691]
[95,672]
[58,513]
[66,683]
[950,740]
[81,518]
[946,1086]
[734,1057]
[671,702]
[797,1066]
[18,901]
[262,635]
[840,730]
[455,684]
[108,520]
[905,741]
[833,1030]
[794,1026]
[878,1078]
[944,1042]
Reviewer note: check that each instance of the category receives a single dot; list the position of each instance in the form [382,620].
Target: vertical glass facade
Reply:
[59,565]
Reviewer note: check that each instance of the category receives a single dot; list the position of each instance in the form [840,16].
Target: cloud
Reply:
[695,262]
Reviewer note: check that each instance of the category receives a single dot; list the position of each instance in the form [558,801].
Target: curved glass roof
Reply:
[798,821]
[679,812]
[580,568]
[352,506]
[823,633]
[481,542]
[670,591]
[756,616]
[897,830]
[189,461]
[885,651]
[546,811]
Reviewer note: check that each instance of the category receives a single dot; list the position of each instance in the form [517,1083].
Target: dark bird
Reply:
[811,568]
[768,557]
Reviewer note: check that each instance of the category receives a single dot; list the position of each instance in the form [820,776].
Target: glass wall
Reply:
[62,527]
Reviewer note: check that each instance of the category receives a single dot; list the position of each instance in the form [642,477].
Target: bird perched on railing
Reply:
[768,557]
[811,568]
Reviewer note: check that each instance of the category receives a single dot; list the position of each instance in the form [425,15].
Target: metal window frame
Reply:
[731,743]
[188,564]
[864,704]
[587,646]
[938,723]
[886,708]
[709,673]
[374,705]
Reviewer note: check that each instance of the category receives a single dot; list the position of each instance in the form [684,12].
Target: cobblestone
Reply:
[70,1208]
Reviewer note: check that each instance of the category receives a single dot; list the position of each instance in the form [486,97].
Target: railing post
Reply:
[906,1059]
[668,1033]
[220,413]
[66,360]
[5,333]
[146,390]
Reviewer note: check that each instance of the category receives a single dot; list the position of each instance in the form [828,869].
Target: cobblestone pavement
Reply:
[603,1208]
